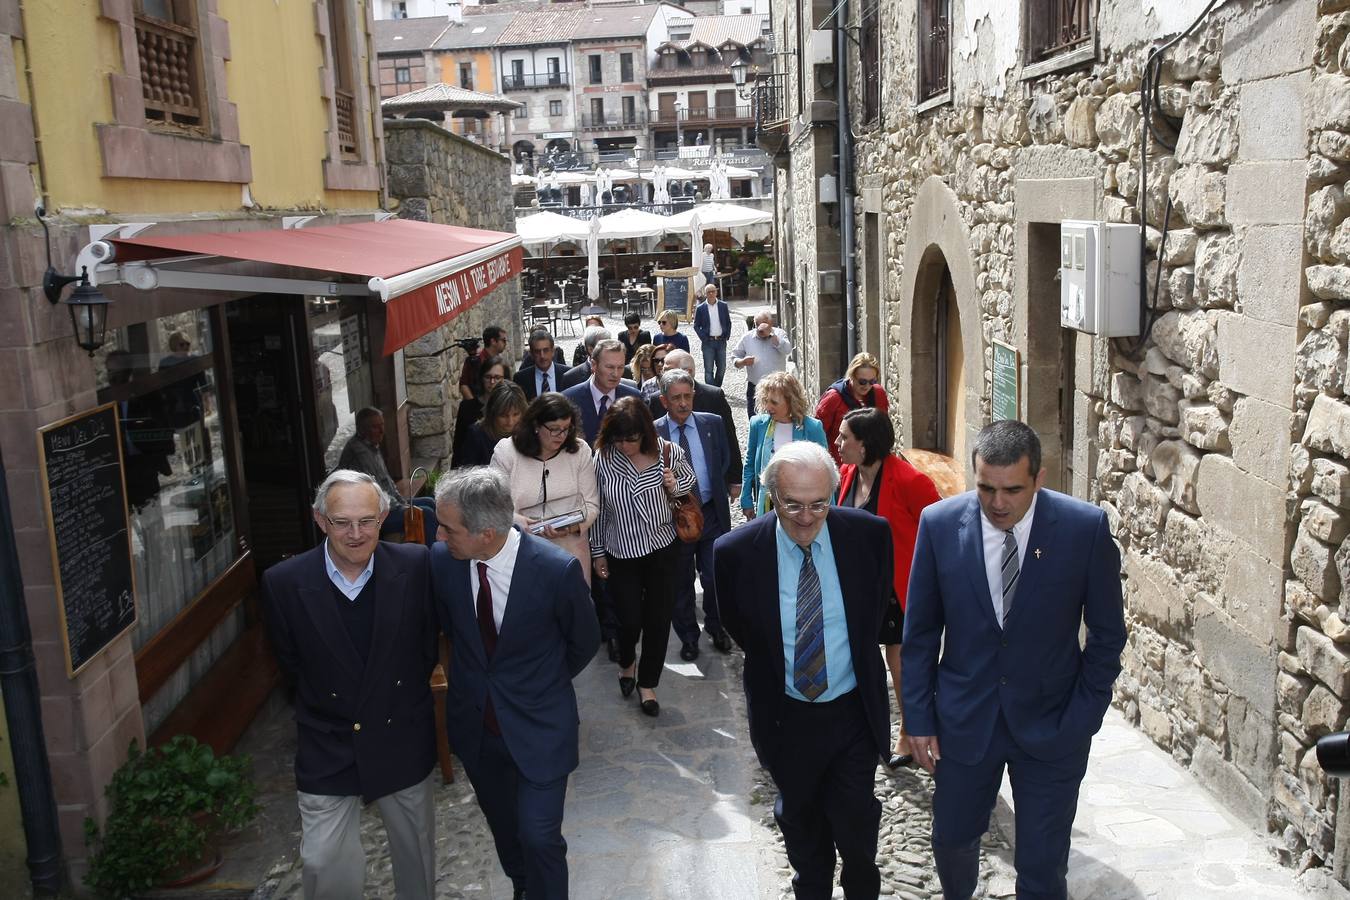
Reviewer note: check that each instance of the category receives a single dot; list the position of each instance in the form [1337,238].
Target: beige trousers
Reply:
[330,844]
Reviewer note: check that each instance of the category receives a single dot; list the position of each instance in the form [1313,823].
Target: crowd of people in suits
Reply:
[575,477]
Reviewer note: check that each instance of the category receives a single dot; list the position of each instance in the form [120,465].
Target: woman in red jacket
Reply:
[885,484]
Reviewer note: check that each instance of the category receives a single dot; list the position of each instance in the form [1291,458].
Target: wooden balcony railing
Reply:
[169,82]
[346,122]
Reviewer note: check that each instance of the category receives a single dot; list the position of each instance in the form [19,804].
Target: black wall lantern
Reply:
[88,307]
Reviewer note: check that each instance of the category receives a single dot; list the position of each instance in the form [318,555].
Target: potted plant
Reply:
[760,271]
[166,807]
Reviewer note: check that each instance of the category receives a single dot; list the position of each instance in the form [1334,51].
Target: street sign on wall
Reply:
[1005,389]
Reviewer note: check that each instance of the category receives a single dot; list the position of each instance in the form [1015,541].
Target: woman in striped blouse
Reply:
[633,543]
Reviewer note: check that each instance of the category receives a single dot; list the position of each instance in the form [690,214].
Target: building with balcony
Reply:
[694,97]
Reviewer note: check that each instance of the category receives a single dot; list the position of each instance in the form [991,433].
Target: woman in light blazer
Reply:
[552,471]
[782,421]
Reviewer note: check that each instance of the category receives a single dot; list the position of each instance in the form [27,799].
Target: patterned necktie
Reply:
[543,384]
[487,630]
[1010,570]
[810,675]
[604,406]
[684,444]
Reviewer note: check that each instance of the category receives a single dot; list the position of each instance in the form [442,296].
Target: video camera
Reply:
[467,344]
[1333,753]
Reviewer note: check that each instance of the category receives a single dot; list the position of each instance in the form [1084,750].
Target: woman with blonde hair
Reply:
[782,420]
[668,331]
[860,388]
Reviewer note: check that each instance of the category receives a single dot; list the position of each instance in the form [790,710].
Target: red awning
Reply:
[427,274]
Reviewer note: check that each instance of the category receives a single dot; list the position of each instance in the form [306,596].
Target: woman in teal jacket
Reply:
[782,421]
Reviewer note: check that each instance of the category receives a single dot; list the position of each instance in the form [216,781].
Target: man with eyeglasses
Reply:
[860,387]
[363,453]
[354,630]
[803,592]
[761,351]
[603,389]
[545,374]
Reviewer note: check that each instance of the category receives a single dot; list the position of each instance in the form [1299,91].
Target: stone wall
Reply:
[1219,446]
[436,176]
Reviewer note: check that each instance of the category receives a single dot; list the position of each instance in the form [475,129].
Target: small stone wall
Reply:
[436,176]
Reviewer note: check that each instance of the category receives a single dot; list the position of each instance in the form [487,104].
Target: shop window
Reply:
[163,377]
[934,48]
[871,60]
[170,56]
[342,371]
[1056,27]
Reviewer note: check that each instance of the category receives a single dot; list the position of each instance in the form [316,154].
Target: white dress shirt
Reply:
[596,394]
[714,319]
[993,554]
[499,571]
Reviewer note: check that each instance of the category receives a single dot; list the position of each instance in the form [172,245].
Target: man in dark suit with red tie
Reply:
[803,592]
[517,643]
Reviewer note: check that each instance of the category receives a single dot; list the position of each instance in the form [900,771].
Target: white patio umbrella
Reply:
[717,215]
[738,172]
[519,178]
[633,223]
[660,185]
[549,227]
[593,259]
[695,240]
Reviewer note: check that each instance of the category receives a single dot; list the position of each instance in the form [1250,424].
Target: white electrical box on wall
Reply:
[1099,278]
[820,51]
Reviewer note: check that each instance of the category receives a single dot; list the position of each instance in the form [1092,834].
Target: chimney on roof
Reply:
[456,12]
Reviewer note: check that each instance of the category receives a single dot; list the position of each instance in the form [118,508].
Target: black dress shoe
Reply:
[899,760]
[722,641]
[626,685]
[612,645]
[651,707]
[518,893]
[689,651]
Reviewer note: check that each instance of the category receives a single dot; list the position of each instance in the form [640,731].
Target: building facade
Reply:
[1215,439]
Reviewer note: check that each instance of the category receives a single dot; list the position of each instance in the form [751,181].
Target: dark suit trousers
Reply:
[525,819]
[643,591]
[824,772]
[1045,798]
[698,556]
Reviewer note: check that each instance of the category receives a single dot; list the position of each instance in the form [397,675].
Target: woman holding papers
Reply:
[552,475]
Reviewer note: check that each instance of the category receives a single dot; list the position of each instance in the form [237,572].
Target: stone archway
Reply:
[939,343]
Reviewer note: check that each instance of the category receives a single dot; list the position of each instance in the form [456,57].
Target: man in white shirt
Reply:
[597,394]
[712,324]
[762,351]
[517,643]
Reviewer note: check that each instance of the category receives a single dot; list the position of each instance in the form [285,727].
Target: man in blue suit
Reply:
[1003,579]
[712,324]
[597,394]
[703,440]
[803,592]
[546,374]
[511,711]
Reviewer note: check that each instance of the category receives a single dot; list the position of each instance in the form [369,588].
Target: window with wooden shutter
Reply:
[1055,27]
[170,57]
[934,48]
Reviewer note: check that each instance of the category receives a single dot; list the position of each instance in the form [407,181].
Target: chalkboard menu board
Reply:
[1004,401]
[85,496]
[676,295]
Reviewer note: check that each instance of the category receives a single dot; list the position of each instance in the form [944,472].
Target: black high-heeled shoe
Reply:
[626,686]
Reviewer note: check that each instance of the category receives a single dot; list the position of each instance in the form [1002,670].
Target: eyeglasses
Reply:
[793,508]
[628,439]
[493,379]
[556,430]
[867,382]
[364,525]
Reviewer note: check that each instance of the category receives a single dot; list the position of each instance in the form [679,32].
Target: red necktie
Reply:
[487,630]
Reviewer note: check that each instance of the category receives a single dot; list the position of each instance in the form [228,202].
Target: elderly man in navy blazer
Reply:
[353,627]
[704,442]
[803,592]
[521,625]
[597,394]
[994,677]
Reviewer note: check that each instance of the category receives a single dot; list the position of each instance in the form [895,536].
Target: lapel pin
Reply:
[1038,552]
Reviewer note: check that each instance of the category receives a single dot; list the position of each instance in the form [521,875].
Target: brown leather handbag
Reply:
[686,510]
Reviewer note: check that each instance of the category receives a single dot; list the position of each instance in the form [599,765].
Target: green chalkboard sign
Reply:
[1005,400]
